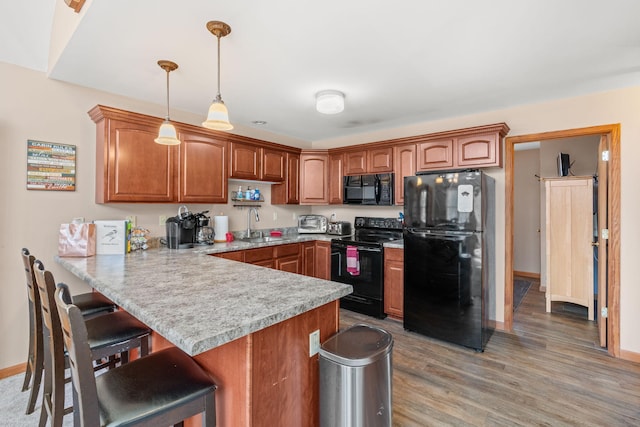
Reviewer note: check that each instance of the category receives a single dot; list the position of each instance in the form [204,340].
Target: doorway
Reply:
[612,134]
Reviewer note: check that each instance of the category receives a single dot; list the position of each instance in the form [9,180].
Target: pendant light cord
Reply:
[218,96]
[168,95]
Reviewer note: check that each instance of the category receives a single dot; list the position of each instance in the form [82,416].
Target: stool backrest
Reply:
[32,293]
[74,332]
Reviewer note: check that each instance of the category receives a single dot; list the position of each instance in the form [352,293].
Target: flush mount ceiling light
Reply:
[330,102]
[218,117]
[167,134]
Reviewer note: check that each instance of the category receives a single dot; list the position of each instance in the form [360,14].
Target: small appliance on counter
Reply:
[187,229]
[316,224]
[339,228]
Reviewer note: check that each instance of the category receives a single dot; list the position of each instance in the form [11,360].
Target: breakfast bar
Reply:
[247,325]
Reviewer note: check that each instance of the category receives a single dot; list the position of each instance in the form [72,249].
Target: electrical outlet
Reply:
[162,219]
[275,216]
[132,220]
[314,342]
[293,215]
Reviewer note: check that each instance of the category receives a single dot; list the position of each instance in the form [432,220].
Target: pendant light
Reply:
[167,134]
[218,117]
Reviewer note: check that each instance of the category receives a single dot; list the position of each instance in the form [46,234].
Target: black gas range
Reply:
[358,260]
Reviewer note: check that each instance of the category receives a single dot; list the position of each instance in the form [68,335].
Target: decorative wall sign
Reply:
[51,166]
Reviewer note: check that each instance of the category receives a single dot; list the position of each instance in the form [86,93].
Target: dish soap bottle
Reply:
[239,193]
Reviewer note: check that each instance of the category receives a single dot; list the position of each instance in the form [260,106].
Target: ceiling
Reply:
[398,63]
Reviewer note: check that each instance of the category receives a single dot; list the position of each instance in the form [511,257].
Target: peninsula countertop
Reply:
[199,302]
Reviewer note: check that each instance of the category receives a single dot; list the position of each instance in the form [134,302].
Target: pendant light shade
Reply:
[218,117]
[167,134]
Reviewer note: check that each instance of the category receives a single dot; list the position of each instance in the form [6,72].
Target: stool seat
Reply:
[116,327]
[92,303]
[168,376]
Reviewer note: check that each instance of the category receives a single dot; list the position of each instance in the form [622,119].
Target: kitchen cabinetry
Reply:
[273,165]
[314,177]
[308,258]
[245,161]
[436,154]
[404,157]
[568,235]
[289,191]
[374,160]
[336,172]
[199,182]
[323,260]
[394,282]
[131,167]
[288,258]
[260,256]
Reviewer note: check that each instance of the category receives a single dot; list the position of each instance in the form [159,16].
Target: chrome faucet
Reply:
[255,210]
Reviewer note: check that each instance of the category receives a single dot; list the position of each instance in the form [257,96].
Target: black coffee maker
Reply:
[181,229]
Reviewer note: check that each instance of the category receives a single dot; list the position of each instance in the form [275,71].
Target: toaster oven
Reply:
[312,224]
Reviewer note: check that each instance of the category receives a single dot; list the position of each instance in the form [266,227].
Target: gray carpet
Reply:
[13,404]
[520,289]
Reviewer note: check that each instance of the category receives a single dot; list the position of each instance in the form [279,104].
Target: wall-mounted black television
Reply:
[563,164]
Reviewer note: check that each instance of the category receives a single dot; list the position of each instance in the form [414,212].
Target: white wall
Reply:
[34,107]
[526,207]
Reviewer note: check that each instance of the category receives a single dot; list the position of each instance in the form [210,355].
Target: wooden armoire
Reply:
[569,237]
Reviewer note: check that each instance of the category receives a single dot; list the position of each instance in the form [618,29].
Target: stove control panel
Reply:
[383,223]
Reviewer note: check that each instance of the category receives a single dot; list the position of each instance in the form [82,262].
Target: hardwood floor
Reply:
[550,371]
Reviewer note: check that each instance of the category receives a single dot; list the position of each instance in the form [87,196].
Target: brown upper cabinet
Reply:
[131,167]
[404,157]
[374,160]
[314,177]
[336,172]
[436,154]
[288,192]
[245,161]
[253,162]
[202,171]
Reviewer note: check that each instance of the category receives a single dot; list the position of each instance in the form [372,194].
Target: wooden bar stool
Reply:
[108,335]
[90,304]
[163,388]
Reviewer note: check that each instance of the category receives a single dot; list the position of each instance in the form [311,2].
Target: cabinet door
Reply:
[314,183]
[234,256]
[380,160]
[394,282]
[202,172]
[479,150]
[405,165]
[288,192]
[289,263]
[355,162]
[259,256]
[137,169]
[273,165]
[245,161]
[308,258]
[323,260]
[435,154]
[336,173]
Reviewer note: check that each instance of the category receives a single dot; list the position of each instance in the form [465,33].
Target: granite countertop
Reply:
[199,302]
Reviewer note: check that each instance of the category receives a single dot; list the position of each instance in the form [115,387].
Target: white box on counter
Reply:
[111,237]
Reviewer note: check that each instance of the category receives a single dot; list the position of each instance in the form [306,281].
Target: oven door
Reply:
[367,296]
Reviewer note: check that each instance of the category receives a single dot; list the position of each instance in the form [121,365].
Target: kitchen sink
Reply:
[262,239]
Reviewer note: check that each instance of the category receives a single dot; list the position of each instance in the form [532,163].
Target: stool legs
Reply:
[35,362]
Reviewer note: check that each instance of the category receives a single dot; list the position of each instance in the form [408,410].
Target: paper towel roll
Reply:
[221,227]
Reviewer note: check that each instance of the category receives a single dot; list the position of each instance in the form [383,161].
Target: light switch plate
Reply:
[314,342]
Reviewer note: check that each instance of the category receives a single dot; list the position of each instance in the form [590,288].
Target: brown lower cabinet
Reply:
[394,282]
[307,258]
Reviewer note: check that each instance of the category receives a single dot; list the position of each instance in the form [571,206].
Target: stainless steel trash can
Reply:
[355,378]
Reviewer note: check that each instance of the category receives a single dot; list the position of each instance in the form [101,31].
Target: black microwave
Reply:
[368,189]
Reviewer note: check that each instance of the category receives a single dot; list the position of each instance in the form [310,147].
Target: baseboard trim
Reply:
[13,370]
[498,326]
[630,356]
[527,274]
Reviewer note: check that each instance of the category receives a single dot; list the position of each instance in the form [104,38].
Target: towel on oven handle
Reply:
[353,261]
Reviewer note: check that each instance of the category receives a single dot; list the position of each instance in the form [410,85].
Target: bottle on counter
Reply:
[256,194]
[247,194]
[239,193]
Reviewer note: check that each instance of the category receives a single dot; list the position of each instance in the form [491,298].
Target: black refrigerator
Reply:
[449,265]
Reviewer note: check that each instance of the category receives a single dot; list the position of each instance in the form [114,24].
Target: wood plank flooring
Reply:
[549,372]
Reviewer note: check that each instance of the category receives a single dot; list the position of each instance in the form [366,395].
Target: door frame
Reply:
[612,131]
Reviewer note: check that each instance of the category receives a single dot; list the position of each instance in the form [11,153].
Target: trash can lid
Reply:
[358,345]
